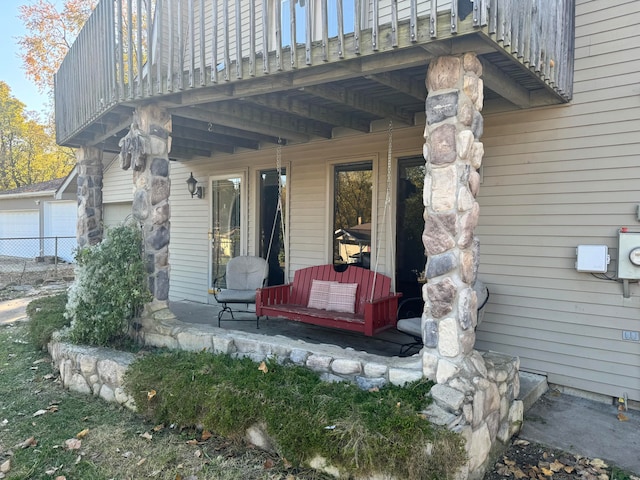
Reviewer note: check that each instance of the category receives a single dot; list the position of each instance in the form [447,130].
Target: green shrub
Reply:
[46,315]
[109,289]
[358,431]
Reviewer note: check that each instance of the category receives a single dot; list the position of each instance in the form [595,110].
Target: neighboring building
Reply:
[559,167]
[39,220]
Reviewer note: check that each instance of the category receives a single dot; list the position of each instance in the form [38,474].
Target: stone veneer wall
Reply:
[89,229]
[145,149]
[475,394]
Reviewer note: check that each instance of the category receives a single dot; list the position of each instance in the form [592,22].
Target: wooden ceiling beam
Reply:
[377,108]
[402,84]
[224,135]
[303,109]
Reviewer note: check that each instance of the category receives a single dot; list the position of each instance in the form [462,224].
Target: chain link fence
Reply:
[36,260]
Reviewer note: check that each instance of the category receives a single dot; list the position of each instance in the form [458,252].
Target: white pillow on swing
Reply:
[342,297]
[319,295]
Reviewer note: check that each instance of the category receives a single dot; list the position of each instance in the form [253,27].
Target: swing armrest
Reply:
[271,296]
[381,313]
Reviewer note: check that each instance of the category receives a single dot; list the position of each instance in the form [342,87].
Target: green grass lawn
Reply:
[117,444]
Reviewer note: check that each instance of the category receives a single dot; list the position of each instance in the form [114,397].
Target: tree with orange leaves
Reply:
[50,34]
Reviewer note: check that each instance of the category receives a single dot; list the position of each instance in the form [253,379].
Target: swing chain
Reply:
[389,152]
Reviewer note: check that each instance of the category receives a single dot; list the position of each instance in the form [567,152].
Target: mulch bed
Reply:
[526,460]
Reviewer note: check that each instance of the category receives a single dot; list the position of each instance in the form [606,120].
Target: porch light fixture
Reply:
[193,189]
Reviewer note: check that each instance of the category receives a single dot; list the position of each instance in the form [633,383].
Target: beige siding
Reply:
[116,213]
[117,183]
[309,203]
[555,178]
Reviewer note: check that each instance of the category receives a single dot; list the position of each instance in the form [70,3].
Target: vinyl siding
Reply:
[555,178]
[117,183]
[308,177]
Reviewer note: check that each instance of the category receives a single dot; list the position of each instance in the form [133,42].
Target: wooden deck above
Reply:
[235,74]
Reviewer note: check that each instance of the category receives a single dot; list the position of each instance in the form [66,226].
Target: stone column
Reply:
[89,226]
[146,150]
[453,154]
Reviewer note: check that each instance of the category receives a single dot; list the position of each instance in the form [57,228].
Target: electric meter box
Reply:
[592,258]
[629,255]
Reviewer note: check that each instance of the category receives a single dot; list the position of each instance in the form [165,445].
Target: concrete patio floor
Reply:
[387,343]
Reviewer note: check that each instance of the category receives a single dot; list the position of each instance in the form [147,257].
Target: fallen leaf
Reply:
[546,472]
[40,412]
[556,466]
[141,461]
[146,435]
[78,459]
[29,442]
[519,473]
[192,442]
[53,470]
[6,466]
[596,462]
[504,470]
[157,428]
[72,444]
[49,376]
[61,477]
[42,360]
[206,435]
[569,469]
[268,463]
[4,422]
[622,417]
[286,463]
[506,461]
[197,453]
[520,442]
[82,433]
[150,394]
[374,389]
[263,367]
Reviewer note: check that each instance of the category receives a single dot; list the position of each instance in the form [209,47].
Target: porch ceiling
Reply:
[300,106]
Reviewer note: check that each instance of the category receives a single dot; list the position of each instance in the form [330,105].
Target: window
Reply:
[272,207]
[352,211]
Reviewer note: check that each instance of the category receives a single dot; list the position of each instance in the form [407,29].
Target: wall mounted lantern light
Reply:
[194,190]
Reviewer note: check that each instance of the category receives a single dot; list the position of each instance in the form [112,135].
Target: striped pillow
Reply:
[319,295]
[342,297]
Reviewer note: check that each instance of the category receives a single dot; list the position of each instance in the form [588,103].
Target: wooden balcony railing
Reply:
[131,50]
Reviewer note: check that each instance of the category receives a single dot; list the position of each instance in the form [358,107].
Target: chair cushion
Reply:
[342,297]
[412,326]
[319,294]
[246,273]
[236,296]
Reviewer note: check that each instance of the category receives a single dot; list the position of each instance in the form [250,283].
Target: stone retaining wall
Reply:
[479,402]
[93,370]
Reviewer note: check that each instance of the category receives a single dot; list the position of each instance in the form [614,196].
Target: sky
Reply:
[11,71]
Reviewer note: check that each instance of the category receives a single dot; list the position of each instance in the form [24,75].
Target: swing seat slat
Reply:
[373,313]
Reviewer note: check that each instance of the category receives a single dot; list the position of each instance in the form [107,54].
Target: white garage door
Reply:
[19,233]
[60,220]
